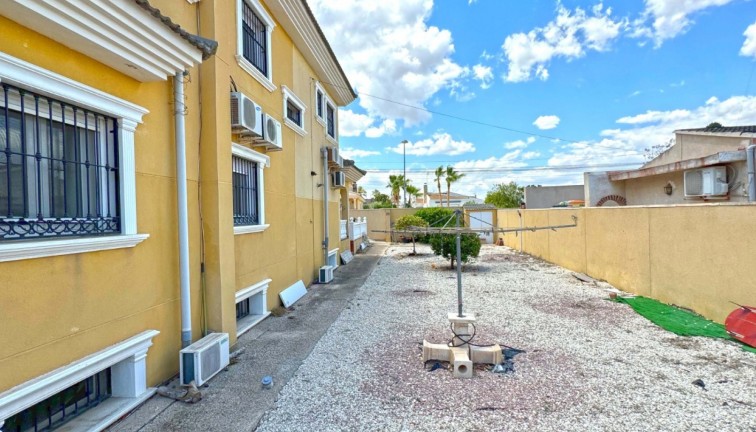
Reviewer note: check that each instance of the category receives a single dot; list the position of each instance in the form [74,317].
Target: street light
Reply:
[404,151]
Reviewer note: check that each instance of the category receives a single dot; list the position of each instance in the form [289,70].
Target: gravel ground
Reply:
[589,364]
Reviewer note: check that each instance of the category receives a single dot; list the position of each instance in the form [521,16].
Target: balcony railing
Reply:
[358,228]
[343,230]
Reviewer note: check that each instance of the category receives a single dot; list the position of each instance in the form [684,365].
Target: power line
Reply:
[491,125]
[514,169]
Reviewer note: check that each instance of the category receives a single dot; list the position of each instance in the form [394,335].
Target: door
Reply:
[482,220]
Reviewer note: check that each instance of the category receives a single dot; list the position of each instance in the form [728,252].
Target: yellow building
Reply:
[155,186]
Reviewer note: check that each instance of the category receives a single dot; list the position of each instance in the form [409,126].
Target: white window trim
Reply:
[263,161]
[260,288]
[128,360]
[24,74]
[270,24]
[290,98]
[333,253]
[319,88]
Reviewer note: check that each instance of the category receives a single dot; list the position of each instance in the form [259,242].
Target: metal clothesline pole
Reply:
[459,266]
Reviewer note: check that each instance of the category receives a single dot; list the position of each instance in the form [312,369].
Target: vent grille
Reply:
[271,133]
[210,362]
[234,111]
[694,182]
[250,117]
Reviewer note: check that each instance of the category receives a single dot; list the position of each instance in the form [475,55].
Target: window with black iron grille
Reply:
[254,39]
[331,120]
[246,201]
[63,406]
[293,113]
[242,309]
[59,173]
[319,101]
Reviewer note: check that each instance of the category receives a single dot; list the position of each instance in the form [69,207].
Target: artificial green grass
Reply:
[679,321]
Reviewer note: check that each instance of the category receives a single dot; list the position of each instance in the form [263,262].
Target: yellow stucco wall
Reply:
[57,310]
[696,256]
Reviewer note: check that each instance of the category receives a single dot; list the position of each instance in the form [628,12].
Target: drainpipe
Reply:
[324,154]
[751,158]
[183,213]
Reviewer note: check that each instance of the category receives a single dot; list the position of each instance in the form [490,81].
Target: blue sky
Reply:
[591,84]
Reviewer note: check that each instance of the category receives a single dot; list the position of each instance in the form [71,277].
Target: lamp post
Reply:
[404,186]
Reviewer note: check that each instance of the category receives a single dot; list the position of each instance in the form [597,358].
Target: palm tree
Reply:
[439,174]
[396,183]
[451,177]
[413,191]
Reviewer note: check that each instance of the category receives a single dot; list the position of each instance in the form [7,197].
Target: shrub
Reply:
[445,245]
[407,222]
[436,217]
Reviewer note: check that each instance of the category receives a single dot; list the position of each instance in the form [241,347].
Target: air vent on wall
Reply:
[246,116]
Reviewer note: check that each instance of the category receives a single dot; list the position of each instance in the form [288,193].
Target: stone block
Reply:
[488,355]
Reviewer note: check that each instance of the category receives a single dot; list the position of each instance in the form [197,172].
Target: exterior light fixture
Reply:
[668,189]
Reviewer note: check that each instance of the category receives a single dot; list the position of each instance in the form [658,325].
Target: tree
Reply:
[407,223]
[451,177]
[651,153]
[439,175]
[714,125]
[445,245]
[435,217]
[395,184]
[361,191]
[413,192]
[506,195]
[381,200]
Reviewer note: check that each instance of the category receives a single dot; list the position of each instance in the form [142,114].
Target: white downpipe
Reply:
[183,212]
[324,154]
[751,161]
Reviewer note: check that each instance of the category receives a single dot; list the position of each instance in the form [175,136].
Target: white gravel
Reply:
[590,364]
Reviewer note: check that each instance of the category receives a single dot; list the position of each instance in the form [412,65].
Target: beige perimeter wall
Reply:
[694,256]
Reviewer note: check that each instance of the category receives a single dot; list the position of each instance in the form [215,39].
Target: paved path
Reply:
[235,400]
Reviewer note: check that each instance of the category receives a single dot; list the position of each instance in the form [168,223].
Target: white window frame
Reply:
[319,88]
[270,24]
[290,98]
[257,293]
[263,161]
[128,362]
[24,74]
[333,139]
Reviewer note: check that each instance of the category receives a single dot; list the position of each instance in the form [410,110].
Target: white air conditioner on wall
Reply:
[710,181]
[325,275]
[338,180]
[334,158]
[271,137]
[203,359]
[246,116]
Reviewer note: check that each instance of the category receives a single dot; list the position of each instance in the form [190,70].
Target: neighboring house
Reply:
[549,196]
[434,199]
[703,165]
[132,220]
[352,231]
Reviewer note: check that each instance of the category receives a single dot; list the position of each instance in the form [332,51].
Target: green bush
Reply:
[435,216]
[408,222]
[445,245]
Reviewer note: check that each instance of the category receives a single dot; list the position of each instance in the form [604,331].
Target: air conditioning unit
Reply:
[334,159]
[710,181]
[325,275]
[271,137]
[246,116]
[203,359]
[338,180]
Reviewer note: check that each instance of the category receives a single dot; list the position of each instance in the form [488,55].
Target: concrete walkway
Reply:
[235,399]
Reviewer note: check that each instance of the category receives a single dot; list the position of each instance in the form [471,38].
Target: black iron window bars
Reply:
[246,203]
[254,39]
[59,172]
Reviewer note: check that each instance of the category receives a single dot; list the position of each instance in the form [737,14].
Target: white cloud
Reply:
[388,126]
[484,74]
[530,155]
[665,19]
[351,153]
[439,143]
[519,144]
[569,35]
[546,122]
[387,49]
[655,117]
[352,124]
[749,46]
